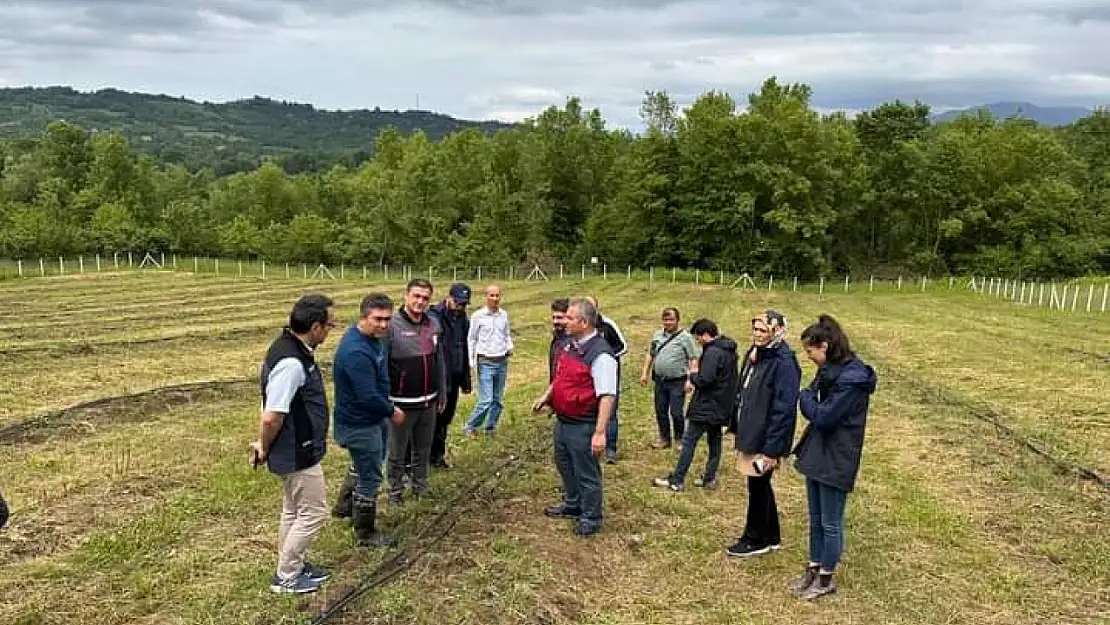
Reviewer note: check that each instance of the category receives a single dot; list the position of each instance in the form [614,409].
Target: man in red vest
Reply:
[581,395]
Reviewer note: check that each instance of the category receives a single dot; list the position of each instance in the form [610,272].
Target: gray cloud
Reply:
[511,58]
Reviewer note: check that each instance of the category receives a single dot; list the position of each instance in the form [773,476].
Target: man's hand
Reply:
[398,416]
[441,404]
[597,443]
[769,463]
[255,454]
[643,380]
[689,386]
[538,405]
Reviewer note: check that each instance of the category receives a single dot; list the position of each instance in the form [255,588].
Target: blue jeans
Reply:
[580,470]
[491,388]
[670,395]
[826,523]
[693,433]
[368,455]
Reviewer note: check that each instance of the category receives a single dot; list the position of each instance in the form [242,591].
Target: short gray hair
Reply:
[587,309]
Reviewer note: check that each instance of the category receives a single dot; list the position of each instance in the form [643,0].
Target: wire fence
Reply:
[1087,295]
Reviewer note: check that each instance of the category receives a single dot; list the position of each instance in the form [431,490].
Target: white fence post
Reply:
[1105,289]
[286,271]
[795,283]
[899,283]
[604,271]
[630,272]
[263,269]
[175,261]
[61,266]
[1040,295]
[771,283]
[98,263]
[19,264]
[42,268]
[673,274]
[871,286]
[697,276]
[1090,296]
[81,264]
[240,268]
[822,289]
[846,283]
[560,271]
[583,272]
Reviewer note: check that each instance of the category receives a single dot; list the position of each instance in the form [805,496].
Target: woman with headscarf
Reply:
[767,409]
[836,405]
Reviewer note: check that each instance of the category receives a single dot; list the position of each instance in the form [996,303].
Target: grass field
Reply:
[140,508]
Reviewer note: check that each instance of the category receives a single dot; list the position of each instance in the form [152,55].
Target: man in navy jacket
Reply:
[363,410]
[451,313]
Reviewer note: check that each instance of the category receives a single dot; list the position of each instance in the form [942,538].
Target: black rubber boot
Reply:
[343,505]
[365,511]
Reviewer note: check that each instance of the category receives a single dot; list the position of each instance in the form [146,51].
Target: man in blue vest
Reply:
[292,439]
[582,395]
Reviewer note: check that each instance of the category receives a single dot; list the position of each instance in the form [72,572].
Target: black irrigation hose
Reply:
[429,536]
[990,415]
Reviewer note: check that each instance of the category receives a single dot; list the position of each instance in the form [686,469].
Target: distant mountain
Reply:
[1046,115]
[230,136]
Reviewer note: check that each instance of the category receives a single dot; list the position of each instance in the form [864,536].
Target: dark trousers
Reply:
[694,432]
[443,421]
[611,428]
[418,429]
[3,511]
[670,395]
[580,470]
[762,527]
[368,457]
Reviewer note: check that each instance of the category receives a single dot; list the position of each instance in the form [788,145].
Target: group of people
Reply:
[756,396]
[398,373]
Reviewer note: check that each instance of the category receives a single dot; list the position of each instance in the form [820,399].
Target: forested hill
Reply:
[226,137]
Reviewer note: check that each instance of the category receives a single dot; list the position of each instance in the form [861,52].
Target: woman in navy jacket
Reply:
[836,405]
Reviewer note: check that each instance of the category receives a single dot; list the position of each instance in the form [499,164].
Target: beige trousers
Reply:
[304,512]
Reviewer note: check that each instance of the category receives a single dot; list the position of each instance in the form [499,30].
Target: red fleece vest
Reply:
[572,392]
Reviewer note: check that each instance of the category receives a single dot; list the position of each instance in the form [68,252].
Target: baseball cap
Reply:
[460,293]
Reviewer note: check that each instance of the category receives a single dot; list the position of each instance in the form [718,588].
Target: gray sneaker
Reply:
[817,589]
[803,581]
[299,585]
[665,482]
[701,483]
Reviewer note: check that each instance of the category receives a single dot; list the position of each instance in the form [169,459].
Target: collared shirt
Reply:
[489,335]
[603,370]
[673,361]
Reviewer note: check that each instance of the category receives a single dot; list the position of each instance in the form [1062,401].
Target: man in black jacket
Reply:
[611,332]
[714,385]
[768,404]
[451,314]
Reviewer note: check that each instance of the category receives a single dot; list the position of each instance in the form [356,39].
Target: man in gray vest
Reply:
[292,439]
[671,356]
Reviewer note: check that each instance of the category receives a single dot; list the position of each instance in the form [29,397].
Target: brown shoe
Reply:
[803,581]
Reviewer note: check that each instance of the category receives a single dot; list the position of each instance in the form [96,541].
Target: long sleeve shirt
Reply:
[489,335]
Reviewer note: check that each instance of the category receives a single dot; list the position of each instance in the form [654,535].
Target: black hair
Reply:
[671,310]
[828,331]
[374,301]
[561,304]
[309,310]
[419,283]
[704,326]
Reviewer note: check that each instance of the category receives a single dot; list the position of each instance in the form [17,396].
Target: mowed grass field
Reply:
[140,508]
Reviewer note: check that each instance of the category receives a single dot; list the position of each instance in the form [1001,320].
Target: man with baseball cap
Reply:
[451,313]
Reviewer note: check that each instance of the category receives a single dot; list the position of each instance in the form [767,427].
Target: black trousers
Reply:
[443,424]
[762,527]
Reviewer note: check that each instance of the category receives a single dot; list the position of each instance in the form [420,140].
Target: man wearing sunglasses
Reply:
[292,438]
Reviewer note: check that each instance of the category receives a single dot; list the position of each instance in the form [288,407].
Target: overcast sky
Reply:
[508,59]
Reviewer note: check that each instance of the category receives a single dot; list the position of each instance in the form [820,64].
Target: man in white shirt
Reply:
[490,344]
[609,330]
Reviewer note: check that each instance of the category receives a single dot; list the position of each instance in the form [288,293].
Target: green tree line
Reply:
[771,188]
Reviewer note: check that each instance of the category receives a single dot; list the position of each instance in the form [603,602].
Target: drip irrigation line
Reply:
[435,531]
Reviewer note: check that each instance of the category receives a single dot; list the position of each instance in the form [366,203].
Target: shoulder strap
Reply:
[666,342]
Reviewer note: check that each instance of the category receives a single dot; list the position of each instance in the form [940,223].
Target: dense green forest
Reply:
[773,188]
[225,137]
